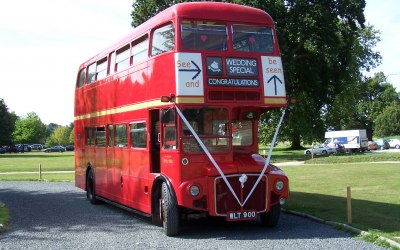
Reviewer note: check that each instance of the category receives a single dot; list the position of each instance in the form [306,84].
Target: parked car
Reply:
[394,143]
[21,148]
[321,149]
[372,145]
[54,149]
[382,144]
[69,148]
[2,150]
[36,146]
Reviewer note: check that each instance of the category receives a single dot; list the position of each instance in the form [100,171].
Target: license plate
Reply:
[241,215]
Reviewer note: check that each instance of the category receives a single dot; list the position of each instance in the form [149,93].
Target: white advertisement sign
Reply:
[274,82]
[189,75]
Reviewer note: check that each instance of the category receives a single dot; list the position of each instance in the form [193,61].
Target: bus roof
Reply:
[193,10]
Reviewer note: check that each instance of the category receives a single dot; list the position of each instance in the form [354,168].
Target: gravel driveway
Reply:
[58,216]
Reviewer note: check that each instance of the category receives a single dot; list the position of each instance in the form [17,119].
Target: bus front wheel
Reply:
[170,215]
[90,188]
[271,218]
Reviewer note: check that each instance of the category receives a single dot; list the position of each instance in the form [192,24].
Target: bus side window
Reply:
[163,40]
[120,136]
[100,137]
[122,60]
[89,134]
[138,135]
[101,69]
[91,74]
[110,135]
[140,49]
[81,79]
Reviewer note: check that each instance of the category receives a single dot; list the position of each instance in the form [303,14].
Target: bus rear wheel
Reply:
[271,218]
[170,215]
[90,188]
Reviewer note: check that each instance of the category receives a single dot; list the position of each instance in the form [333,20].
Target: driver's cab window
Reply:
[242,133]
[169,134]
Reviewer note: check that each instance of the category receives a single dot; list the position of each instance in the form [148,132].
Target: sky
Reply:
[43,42]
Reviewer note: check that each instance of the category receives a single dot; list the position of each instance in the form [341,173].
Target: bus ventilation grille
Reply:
[233,96]
[226,202]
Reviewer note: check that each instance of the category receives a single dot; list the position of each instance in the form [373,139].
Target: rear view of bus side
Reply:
[166,119]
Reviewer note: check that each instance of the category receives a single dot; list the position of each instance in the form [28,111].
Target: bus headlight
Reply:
[194,190]
[279,185]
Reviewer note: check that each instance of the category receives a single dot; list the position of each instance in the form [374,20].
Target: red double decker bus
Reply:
[166,119]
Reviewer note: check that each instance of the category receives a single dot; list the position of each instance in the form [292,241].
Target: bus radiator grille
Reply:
[225,201]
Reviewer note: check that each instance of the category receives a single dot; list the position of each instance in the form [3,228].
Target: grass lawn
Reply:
[4,217]
[320,190]
[29,161]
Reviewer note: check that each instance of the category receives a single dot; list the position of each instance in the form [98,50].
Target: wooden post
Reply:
[40,171]
[312,150]
[264,153]
[349,212]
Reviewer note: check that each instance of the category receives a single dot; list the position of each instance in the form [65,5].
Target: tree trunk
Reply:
[296,142]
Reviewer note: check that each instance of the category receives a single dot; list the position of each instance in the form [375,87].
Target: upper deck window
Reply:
[122,60]
[91,74]
[203,36]
[253,38]
[140,49]
[101,70]
[81,79]
[163,40]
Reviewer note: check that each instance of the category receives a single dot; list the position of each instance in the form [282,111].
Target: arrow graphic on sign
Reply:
[197,69]
[274,77]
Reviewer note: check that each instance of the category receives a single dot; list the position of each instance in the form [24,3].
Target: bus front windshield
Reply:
[211,125]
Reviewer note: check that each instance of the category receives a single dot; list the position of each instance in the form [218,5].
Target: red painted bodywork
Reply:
[124,174]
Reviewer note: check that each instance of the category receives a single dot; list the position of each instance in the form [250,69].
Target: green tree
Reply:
[359,106]
[71,133]
[145,9]
[50,129]
[388,122]
[29,130]
[7,124]
[60,136]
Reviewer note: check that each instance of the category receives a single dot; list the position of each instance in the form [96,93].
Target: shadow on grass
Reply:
[285,155]
[366,214]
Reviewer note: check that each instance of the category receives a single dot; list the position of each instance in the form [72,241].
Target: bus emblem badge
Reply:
[242,179]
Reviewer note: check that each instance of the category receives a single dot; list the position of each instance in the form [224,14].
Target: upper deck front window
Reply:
[248,38]
[203,36]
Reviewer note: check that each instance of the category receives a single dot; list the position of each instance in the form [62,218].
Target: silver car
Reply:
[320,150]
[394,143]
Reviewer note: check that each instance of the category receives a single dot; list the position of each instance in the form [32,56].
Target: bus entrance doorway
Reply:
[155,138]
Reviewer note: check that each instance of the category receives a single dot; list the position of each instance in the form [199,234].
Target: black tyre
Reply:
[271,218]
[156,216]
[90,188]
[324,152]
[308,152]
[170,215]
